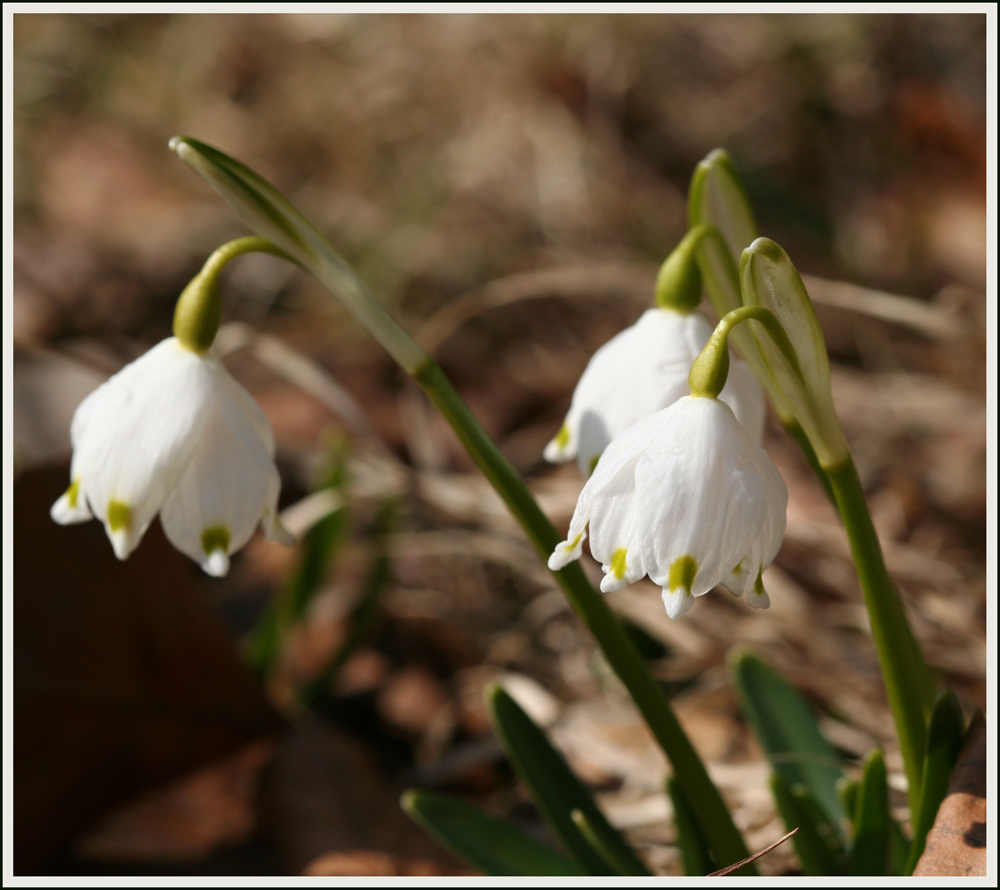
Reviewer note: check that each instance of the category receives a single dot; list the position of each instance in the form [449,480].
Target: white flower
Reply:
[639,371]
[686,497]
[174,433]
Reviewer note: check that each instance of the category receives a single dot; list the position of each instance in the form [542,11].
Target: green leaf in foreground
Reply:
[696,854]
[797,812]
[787,728]
[484,842]
[557,791]
[944,743]
[872,821]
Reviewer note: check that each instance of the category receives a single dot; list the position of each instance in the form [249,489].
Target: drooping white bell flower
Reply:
[639,371]
[174,433]
[686,497]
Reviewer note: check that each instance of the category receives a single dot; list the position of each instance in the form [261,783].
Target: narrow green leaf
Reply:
[596,841]
[813,850]
[847,794]
[872,829]
[556,790]
[944,742]
[696,854]
[317,552]
[491,845]
[899,849]
[789,733]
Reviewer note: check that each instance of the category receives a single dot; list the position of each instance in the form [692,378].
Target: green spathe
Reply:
[770,280]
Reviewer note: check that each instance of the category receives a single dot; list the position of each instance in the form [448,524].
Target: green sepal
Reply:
[872,821]
[945,733]
[800,811]
[696,853]
[556,790]
[491,845]
[789,733]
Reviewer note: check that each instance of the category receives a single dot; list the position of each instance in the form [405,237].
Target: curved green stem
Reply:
[710,369]
[617,646]
[907,680]
[265,210]
[198,313]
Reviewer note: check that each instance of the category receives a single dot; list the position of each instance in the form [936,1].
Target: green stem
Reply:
[266,211]
[907,680]
[618,648]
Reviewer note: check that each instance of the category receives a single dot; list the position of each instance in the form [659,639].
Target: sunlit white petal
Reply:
[639,371]
[683,496]
[173,432]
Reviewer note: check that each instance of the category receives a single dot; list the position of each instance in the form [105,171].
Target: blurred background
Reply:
[508,186]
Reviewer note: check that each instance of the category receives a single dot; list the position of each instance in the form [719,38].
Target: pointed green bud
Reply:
[678,285]
[770,280]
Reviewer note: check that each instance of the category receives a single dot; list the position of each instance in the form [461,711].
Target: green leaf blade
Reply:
[556,790]
[488,844]
[789,733]
[945,733]
[696,853]
[872,821]
[799,811]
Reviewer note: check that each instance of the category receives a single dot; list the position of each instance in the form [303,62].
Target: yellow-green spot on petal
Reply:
[759,584]
[618,562]
[562,437]
[593,464]
[682,572]
[119,515]
[576,541]
[73,493]
[215,538]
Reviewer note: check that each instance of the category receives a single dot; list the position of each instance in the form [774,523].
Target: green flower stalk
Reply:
[770,280]
[261,207]
[801,395]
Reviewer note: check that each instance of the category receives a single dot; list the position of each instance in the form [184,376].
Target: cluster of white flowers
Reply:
[681,489]
[173,433]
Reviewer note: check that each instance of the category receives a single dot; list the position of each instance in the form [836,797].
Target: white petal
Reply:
[71,507]
[228,484]
[134,435]
[640,370]
[677,602]
[569,550]
[744,394]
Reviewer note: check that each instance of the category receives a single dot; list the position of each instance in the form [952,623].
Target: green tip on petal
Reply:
[593,464]
[119,515]
[73,493]
[215,538]
[682,572]
[562,437]
[618,562]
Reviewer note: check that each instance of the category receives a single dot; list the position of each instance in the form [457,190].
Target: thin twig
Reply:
[729,869]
